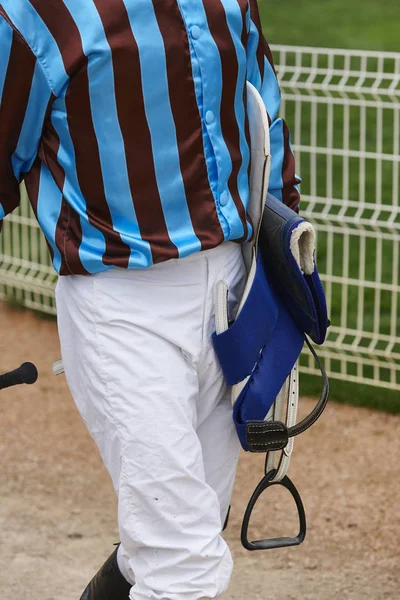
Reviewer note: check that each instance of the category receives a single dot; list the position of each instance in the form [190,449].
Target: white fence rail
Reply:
[343,108]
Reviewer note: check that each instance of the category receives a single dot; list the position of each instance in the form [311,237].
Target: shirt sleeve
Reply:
[261,73]
[24,100]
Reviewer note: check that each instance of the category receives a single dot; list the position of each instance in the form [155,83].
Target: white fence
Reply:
[26,274]
[343,108]
[344,111]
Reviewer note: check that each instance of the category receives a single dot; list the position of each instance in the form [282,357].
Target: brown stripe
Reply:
[15,98]
[263,49]
[188,126]
[69,239]
[87,158]
[135,131]
[255,17]
[68,235]
[244,40]
[32,184]
[32,178]
[245,12]
[230,130]
[69,255]
[290,195]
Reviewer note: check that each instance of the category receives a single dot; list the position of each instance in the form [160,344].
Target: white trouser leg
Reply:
[215,427]
[133,344]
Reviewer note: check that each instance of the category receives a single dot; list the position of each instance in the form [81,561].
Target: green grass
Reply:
[353,393]
[360,25]
[357,24]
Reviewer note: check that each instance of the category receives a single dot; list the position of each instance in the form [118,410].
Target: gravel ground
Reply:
[58,510]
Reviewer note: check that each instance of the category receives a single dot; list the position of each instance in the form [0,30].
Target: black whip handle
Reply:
[26,373]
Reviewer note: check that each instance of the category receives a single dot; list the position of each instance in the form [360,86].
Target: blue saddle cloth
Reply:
[265,341]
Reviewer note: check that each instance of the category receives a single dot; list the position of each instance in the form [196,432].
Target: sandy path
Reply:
[58,511]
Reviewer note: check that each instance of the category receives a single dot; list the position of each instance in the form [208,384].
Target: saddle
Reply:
[283,305]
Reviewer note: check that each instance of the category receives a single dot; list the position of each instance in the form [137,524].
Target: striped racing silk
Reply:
[127,121]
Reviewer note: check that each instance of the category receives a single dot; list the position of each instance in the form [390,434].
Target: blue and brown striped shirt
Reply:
[127,121]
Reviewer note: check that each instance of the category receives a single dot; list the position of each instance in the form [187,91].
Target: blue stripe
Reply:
[38,37]
[209,154]
[162,127]
[270,91]
[253,73]
[268,86]
[93,243]
[278,155]
[28,142]
[107,130]
[209,59]
[206,45]
[6,34]
[235,23]
[48,211]
[2,213]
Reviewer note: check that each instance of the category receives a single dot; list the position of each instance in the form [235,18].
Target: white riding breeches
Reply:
[139,361]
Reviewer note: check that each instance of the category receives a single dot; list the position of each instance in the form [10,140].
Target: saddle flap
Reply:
[287,243]
[238,347]
[274,365]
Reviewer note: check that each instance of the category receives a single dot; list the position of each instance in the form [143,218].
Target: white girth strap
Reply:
[288,397]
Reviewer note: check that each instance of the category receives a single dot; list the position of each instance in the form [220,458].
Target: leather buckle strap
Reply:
[271,543]
[266,436]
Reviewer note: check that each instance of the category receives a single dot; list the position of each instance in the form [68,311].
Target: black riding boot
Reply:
[108,583]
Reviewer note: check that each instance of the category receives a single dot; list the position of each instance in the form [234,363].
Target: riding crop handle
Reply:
[26,373]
